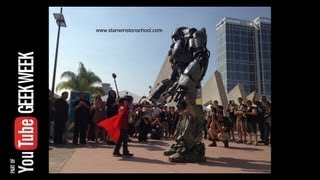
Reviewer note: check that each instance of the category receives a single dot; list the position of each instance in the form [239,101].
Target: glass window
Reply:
[243,33]
[237,56]
[228,67]
[230,76]
[250,48]
[269,38]
[244,40]
[266,75]
[252,77]
[244,48]
[246,69]
[236,32]
[246,76]
[246,57]
[228,38]
[265,45]
[263,30]
[264,37]
[266,55]
[237,75]
[231,38]
[237,47]
[228,46]
[228,55]
[251,68]
[266,66]
[236,39]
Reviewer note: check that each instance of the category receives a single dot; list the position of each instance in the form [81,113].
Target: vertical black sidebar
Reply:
[24,72]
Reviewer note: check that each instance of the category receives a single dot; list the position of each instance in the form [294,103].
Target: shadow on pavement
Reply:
[245,165]
[72,146]
[67,146]
[149,147]
[151,142]
[245,148]
[100,145]
[144,160]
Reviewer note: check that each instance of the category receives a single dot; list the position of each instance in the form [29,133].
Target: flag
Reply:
[111,125]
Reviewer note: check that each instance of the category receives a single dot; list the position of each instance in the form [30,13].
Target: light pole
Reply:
[150,87]
[115,82]
[61,23]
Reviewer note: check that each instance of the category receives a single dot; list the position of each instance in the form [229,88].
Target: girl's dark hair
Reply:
[129,98]
[112,91]
[122,99]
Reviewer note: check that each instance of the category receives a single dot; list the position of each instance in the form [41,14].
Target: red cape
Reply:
[111,125]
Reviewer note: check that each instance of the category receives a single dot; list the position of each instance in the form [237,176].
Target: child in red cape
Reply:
[117,128]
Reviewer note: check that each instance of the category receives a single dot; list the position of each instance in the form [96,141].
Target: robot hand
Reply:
[179,98]
[164,90]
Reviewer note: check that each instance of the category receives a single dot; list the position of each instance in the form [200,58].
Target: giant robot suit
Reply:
[189,58]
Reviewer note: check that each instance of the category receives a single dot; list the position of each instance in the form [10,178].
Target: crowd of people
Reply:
[150,120]
[245,118]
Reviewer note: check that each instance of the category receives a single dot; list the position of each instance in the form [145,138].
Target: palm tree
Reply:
[85,80]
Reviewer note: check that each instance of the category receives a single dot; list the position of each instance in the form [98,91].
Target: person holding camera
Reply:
[220,129]
[98,111]
[241,125]
[81,119]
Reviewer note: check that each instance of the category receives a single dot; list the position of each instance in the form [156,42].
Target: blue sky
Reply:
[135,57]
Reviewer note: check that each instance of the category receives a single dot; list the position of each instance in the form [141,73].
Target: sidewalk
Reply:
[148,158]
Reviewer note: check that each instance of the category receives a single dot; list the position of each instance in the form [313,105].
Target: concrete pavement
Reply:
[148,158]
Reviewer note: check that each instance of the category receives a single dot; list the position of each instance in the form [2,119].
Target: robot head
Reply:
[178,34]
[199,39]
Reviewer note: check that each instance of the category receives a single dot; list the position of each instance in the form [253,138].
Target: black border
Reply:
[26,30]
[162,3]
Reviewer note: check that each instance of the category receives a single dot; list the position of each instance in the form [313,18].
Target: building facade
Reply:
[244,54]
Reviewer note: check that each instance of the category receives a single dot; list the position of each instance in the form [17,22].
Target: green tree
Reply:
[85,80]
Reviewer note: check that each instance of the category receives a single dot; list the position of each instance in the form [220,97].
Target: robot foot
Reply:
[193,155]
[172,150]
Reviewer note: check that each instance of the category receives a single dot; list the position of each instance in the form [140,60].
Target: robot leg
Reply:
[188,81]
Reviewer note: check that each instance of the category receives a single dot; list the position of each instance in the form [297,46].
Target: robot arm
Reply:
[176,57]
[193,74]
[189,58]
[196,69]
[198,44]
